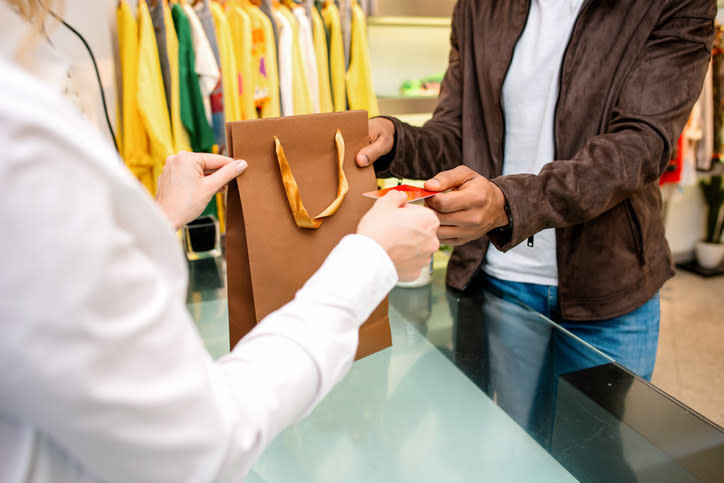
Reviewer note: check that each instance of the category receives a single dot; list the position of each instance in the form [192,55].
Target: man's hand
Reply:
[406,232]
[471,208]
[382,138]
[190,180]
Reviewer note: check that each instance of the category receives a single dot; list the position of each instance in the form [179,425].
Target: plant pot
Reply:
[709,255]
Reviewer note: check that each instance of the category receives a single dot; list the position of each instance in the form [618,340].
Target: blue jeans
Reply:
[630,339]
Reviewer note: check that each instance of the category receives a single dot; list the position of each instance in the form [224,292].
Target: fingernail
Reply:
[364,161]
[433,182]
[241,165]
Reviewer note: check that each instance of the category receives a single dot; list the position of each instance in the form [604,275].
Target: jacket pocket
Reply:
[636,231]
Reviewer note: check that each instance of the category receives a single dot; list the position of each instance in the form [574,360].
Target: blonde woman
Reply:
[104,377]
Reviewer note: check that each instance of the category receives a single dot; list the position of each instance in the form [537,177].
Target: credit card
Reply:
[413,193]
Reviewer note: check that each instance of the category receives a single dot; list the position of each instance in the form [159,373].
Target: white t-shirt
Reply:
[104,374]
[530,94]
[206,67]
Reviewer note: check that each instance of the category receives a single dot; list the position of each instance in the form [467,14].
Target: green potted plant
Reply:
[710,251]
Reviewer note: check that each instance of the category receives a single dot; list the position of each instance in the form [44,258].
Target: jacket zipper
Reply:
[636,230]
[560,83]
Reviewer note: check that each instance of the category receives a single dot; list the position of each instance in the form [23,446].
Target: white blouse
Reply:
[104,376]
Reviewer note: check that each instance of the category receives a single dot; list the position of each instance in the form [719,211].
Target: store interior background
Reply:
[409,39]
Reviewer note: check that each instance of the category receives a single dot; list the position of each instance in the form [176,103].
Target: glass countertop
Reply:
[476,388]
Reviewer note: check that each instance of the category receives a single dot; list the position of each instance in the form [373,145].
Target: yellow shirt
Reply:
[320,52]
[151,96]
[229,71]
[273,107]
[241,34]
[269,73]
[301,98]
[262,88]
[360,92]
[133,142]
[336,56]
[181,139]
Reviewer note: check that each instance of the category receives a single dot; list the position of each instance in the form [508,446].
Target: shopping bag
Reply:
[284,218]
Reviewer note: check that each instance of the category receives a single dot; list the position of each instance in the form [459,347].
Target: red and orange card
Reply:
[413,193]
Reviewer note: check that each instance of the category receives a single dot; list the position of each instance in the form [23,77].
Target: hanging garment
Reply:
[266,8]
[229,72]
[346,20]
[336,56]
[133,143]
[360,92]
[216,99]
[705,108]
[158,19]
[672,174]
[241,33]
[205,62]
[369,7]
[309,59]
[273,107]
[260,76]
[301,98]
[285,64]
[270,108]
[717,71]
[320,51]
[192,104]
[151,96]
[203,13]
[181,139]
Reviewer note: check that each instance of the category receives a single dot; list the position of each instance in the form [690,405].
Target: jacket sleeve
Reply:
[422,152]
[634,151]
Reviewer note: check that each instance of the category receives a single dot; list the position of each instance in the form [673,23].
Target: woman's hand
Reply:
[408,233]
[190,180]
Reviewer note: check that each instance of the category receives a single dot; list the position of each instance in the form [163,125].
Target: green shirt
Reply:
[193,114]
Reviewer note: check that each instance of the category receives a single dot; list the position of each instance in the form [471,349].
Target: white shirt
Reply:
[530,94]
[285,60]
[205,62]
[104,376]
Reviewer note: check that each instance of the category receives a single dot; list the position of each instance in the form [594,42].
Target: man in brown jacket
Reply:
[554,123]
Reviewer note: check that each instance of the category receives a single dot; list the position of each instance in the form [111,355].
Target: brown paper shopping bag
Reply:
[274,244]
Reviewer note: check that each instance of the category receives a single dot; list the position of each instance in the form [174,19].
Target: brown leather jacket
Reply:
[630,74]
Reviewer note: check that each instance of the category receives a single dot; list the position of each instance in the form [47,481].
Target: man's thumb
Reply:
[371,153]
[448,179]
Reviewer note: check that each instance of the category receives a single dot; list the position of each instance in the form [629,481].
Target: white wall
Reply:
[399,53]
[96,21]
[685,223]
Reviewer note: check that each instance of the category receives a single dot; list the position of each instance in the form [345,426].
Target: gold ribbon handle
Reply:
[301,215]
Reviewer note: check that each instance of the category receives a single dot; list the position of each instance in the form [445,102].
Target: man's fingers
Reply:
[451,201]
[450,178]
[223,175]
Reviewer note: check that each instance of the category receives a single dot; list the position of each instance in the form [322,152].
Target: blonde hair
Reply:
[36,12]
